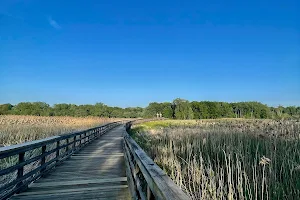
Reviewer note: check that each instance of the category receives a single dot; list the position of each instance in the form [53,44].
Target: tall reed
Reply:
[227,159]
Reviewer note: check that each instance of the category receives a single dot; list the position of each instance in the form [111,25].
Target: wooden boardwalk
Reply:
[95,172]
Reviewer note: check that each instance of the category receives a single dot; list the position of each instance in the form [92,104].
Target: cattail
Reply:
[264,161]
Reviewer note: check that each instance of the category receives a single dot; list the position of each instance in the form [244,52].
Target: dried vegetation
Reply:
[227,159]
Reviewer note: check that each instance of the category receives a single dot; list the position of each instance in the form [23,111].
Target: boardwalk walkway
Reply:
[96,172]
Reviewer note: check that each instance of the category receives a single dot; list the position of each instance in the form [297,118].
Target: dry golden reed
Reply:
[15,129]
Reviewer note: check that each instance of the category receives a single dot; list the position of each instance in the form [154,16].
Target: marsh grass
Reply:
[15,129]
[227,159]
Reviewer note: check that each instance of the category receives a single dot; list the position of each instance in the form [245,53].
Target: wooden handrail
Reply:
[63,147]
[146,179]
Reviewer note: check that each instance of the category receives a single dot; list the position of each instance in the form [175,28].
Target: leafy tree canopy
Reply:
[178,109]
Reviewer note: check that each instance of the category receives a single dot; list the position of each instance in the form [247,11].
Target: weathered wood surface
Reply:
[96,172]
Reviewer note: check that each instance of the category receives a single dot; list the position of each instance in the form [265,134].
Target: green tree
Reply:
[153,108]
[5,109]
[225,110]
[100,110]
[35,108]
[116,112]
[63,109]
[183,109]
[179,109]
[133,112]
[167,110]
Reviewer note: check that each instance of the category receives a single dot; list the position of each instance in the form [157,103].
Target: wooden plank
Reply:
[95,159]
[89,168]
[78,182]
[116,194]
[98,155]
[49,192]
[78,178]
[92,171]
[108,195]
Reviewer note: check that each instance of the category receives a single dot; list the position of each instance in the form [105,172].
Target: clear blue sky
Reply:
[130,53]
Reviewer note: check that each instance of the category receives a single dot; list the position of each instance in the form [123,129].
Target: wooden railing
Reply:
[147,180]
[32,160]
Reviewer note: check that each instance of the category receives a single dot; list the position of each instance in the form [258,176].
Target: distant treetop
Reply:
[178,109]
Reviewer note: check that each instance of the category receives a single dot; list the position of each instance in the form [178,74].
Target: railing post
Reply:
[150,195]
[137,169]
[74,143]
[57,149]
[67,148]
[80,141]
[20,170]
[43,160]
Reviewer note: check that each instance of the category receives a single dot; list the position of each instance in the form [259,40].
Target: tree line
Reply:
[178,109]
